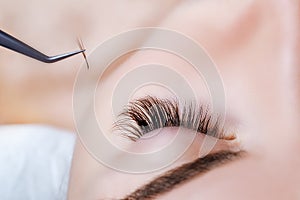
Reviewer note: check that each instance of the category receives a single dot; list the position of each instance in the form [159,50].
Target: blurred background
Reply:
[35,92]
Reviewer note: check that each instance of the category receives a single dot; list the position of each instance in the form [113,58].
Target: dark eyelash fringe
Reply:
[149,113]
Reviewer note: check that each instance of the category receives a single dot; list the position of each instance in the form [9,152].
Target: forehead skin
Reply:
[255,45]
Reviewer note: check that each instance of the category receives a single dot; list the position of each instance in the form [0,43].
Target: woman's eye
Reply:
[150,113]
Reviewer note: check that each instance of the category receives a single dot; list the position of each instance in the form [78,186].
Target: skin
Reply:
[255,45]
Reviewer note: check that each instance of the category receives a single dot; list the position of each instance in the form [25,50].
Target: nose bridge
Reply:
[286,13]
[273,82]
[290,64]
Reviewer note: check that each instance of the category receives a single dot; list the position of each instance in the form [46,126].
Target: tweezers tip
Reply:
[79,51]
[87,64]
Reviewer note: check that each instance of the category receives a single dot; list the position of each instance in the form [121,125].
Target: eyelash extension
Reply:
[144,115]
[81,46]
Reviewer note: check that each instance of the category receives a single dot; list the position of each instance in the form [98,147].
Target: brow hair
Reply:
[182,174]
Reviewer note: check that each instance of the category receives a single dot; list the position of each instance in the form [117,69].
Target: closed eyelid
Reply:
[150,113]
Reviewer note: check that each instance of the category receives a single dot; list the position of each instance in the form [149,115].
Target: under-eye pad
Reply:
[35,162]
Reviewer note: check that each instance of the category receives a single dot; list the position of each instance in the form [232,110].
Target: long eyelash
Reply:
[81,46]
[149,113]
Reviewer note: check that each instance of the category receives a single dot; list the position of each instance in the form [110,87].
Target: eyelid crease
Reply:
[149,113]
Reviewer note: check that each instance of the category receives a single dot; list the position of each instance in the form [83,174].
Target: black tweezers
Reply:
[14,44]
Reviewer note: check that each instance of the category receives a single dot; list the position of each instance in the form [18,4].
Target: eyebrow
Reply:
[174,177]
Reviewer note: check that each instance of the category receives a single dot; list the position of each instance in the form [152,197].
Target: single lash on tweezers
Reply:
[16,45]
